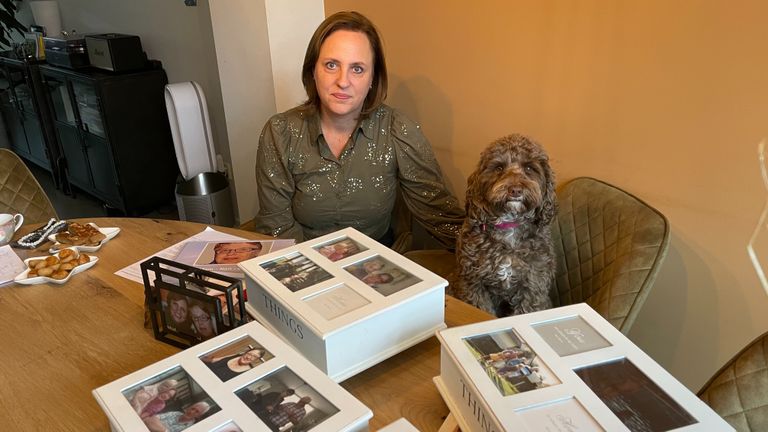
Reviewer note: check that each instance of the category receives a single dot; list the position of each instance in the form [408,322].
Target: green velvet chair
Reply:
[739,390]
[609,246]
[20,192]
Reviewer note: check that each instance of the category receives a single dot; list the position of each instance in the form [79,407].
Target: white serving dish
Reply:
[340,323]
[338,409]
[564,345]
[109,232]
[24,280]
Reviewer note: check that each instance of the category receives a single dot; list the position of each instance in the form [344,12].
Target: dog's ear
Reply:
[546,212]
[475,203]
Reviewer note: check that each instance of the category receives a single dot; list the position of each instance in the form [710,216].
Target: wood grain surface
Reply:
[59,342]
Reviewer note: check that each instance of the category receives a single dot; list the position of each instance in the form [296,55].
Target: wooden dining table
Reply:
[59,342]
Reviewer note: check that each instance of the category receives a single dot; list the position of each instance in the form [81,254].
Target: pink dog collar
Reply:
[501,226]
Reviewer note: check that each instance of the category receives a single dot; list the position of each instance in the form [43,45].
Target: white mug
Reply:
[9,223]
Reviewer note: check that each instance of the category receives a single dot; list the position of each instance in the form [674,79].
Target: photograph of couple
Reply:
[171,401]
[284,402]
[382,275]
[189,316]
[340,249]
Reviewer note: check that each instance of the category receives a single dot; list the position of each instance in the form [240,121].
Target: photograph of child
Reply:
[296,272]
[340,249]
[171,401]
[283,401]
[382,275]
[509,362]
[235,358]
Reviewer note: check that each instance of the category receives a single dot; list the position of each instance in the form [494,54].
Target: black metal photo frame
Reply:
[168,279]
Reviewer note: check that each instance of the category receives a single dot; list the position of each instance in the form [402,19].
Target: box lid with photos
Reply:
[561,369]
[345,301]
[244,380]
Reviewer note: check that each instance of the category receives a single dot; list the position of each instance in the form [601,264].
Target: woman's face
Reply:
[194,411]
[202,321]
[168,394]
[179,310]
[344,73]
[372,266]
[249,357]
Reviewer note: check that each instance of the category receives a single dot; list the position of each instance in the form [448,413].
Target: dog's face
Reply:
[512,180]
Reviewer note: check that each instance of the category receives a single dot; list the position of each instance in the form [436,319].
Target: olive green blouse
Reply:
[305,191]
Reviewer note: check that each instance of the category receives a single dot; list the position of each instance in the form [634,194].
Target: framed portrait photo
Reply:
[339,249]
[236,358]
[382,275]
[181,307]
[296,272]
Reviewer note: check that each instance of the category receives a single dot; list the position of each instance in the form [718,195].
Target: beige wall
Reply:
[259,47]
[178,35]
[665,99]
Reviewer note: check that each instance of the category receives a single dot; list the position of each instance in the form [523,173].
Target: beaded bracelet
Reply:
[40,235]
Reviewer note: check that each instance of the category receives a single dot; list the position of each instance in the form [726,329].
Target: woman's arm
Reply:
[275,185]
[155,425]
[422,183]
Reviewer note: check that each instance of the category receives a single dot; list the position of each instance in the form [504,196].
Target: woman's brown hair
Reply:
[352,21]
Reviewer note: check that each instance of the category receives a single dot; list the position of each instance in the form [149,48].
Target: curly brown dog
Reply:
[505,253]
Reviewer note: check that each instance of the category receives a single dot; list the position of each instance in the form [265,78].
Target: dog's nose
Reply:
[516,192]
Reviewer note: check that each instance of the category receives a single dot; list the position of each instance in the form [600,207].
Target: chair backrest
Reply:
[609,246]
[20,192]
[738,392]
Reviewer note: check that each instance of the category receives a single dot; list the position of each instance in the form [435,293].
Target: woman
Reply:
[157,404]
[176,421]
[201,319]
[228,367]
[339,159]
[146,394]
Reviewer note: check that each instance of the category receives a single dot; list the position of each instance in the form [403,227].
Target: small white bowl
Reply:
[24,280]
[110,233]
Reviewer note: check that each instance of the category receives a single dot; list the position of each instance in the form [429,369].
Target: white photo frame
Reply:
[341,306]
[352,415]
[585,340]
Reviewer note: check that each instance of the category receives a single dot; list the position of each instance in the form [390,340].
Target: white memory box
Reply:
[249,379]
[562,369]
[345,301]
[401,425]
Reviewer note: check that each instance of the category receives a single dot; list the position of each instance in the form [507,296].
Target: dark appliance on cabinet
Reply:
[115,52]
[27,116]
[114,134]
[66,51]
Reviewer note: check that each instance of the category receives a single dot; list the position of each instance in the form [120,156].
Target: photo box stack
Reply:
[563,369]
[344,301]
[244,380]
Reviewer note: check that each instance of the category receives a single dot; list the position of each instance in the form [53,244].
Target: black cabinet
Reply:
[26,115]
[113,133]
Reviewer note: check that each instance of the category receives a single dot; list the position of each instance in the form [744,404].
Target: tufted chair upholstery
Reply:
[739,391]
[609,246]
[20,192]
